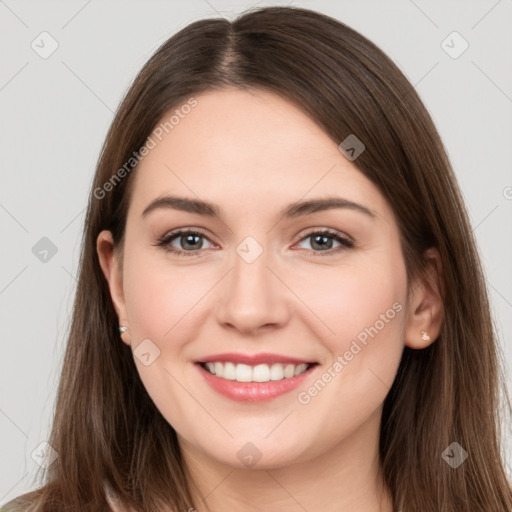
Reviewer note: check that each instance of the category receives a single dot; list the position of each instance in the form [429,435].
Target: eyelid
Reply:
[328,231]
[346,241]
[166,239]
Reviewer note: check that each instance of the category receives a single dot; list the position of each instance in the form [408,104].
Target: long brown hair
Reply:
[106,427]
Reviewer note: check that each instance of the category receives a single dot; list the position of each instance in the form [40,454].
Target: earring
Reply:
[425,336]
[122,329]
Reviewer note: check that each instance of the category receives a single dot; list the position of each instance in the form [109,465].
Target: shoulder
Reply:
[14,505]
[27,502]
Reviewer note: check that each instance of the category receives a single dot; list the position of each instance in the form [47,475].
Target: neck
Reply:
[347,477]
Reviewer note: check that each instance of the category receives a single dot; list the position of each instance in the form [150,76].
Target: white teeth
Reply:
[299,369]
[261,373]
[229,371]
[243,373]
[289,370]
[276,372]
[258,373]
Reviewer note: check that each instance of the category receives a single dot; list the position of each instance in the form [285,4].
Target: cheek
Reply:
[356,299]
[364,305]
[361,306]
[160,297]
[160,302]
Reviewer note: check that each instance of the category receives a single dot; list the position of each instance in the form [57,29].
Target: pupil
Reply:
[191,237]
[324,239]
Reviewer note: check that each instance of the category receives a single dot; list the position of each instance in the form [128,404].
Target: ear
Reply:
[109,262]
[426,310]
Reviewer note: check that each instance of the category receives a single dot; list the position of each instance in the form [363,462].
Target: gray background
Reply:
[56,111]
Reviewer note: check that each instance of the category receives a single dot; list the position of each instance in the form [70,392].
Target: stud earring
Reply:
[122,329]
[425,336]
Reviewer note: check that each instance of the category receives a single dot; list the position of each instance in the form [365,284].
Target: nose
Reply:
[253,296]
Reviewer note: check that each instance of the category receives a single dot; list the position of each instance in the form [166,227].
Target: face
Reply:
[270,287]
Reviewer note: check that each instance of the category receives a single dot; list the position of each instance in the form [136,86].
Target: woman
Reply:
[326,342]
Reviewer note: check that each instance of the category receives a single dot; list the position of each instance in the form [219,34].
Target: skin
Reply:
[252,153]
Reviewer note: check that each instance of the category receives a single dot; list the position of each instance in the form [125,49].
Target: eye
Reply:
[185,238]
[323,239]
[192,239]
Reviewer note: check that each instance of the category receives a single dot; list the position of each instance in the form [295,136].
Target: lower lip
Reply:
[254,391]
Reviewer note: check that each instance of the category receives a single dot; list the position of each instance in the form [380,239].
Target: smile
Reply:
[254,378]
[259,373]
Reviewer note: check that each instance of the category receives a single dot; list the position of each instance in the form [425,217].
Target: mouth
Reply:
[254,380]
[259,373]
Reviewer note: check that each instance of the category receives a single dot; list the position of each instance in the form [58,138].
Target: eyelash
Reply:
[165,241]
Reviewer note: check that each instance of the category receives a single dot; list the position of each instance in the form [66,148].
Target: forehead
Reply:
[246,146]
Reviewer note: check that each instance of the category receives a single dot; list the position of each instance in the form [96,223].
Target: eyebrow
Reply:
[296,209]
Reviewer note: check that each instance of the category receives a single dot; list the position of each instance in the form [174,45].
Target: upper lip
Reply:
[253,359]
